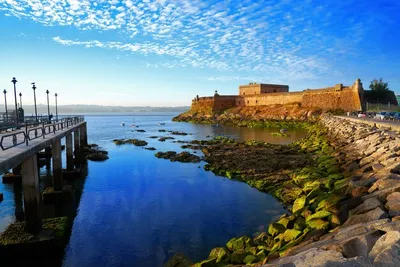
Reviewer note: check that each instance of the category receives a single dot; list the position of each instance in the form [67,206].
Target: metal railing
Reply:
[24,133]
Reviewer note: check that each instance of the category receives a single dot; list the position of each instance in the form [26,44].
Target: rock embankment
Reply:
[370,209]
[247,116]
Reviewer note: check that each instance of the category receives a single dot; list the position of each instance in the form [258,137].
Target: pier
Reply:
[20,146]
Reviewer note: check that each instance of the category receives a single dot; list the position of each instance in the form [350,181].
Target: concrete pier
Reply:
[76,140]
[21,146]
[57,164]
[32,197]
[70,154]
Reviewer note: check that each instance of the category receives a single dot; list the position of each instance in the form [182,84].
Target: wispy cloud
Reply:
[270,38]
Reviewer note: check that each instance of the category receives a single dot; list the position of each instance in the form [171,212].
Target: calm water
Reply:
[137,210]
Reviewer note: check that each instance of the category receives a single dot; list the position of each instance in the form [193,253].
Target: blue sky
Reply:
[164,52]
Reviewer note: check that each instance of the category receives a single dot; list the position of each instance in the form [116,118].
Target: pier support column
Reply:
[57,165]
[70,155]
[83,135]
[76,141]
[47,152]
[32,198]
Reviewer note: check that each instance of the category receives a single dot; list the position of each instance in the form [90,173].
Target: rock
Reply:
[220,254]
[360,245]
[238,256]
[366,206]
[206,263]
[250,259]
[387,240]
[179,260]
[184,157]
[299,204]
[389,257]
[396,169]
[393,204]
[150,148]
[359,191]
[319,215]
[135,142]
[382,194]
[372,215]
[97,156]
[239,243]
[316,257]
[162,139]
[353,166]
[276,228]
[141,131]
[382,184]
[291,234]
[377,167]
[318,224]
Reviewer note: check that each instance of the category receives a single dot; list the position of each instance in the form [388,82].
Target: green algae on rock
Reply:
[135,142]
[181,157]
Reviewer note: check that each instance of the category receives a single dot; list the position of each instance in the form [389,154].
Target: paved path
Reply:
[13,156]
[394,125]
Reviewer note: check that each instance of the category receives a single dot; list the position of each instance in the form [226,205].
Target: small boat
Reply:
[161,123]
[122,123]
[283,130]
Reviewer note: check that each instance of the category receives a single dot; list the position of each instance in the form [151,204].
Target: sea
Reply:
[138,210]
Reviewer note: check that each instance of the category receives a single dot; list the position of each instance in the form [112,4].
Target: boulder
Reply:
[393,204]
[275,229]
[387,240]
[249,259]
[220,254]
[372,215]
[359,245]
[238,256]
[299,204]
[367,205]
[316,257]
[389,257]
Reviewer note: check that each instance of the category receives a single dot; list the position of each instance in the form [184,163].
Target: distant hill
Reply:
[42,109]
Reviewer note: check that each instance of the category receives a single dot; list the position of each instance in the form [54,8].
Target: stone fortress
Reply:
[347,98]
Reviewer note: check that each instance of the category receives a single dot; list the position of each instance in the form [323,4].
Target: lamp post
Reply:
[34,98]
[20,99]
[14,81]
[56,108]
[48,107]
[5,103]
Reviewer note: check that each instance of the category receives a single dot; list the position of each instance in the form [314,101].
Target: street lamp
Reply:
[5,103]
[56,108]
[14,81]
[34,97]
[48,107]
[20,99]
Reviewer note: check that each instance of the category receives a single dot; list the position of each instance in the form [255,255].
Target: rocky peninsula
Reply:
[340,184]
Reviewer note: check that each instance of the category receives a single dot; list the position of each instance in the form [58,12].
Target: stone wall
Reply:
[269,99]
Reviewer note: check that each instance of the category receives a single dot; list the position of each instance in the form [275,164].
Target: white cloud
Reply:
[267,37]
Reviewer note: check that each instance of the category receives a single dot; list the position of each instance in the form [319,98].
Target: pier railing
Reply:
[16,135]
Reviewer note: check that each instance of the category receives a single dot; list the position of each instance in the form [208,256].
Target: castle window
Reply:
[274,91]
[247,101]
[256,101]
[244,93]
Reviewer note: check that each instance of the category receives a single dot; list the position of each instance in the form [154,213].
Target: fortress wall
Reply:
[269,99]
[224,102]
[347,99]
[203,105]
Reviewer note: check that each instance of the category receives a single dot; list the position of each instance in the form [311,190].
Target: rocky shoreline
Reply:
[347,181]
